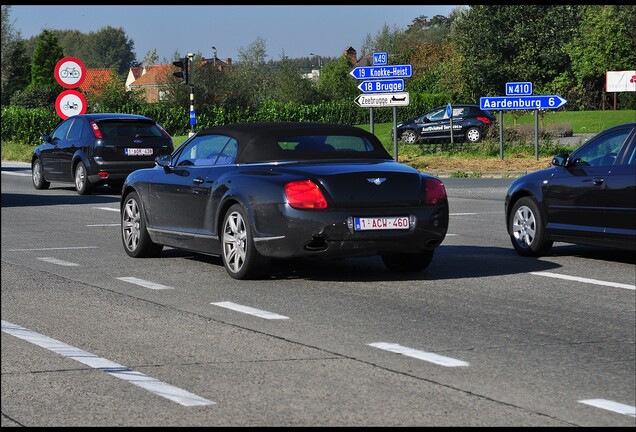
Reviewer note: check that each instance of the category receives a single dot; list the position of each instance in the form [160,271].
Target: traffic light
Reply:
[183,73]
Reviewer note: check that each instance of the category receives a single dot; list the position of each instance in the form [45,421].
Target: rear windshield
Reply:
[325,144]
[129,129]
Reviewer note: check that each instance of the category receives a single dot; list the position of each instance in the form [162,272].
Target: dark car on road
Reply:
[470,124]
[587,197]
[260,191]
[95,149]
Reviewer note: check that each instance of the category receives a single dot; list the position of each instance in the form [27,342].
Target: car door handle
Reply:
[198,180]
[598,181]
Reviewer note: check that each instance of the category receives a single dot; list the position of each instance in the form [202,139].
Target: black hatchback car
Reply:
[470,124]
[95,149]
[587,197]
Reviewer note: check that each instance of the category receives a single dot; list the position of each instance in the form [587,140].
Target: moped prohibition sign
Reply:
[70,72]
[70,103]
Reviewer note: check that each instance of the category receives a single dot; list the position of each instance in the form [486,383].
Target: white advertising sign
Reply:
[620,81]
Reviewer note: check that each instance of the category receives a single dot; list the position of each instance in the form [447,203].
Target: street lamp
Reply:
[319,60]
[214,54]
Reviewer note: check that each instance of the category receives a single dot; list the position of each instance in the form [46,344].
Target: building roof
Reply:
[96,78]
[156,74]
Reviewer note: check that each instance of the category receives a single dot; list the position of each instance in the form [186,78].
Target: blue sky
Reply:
[295,31]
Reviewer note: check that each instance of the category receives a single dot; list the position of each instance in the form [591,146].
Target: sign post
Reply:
[383,87]
[70,73]
[519,98]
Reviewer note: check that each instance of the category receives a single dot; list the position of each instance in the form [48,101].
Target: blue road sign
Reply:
[382,72]
[193,118]
[449,111]
[380,59]
[503,103]
[518,89]
[382,86]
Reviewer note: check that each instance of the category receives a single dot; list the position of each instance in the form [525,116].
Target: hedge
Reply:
[27,125]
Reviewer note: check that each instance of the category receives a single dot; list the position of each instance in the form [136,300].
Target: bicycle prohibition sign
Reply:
[70,72]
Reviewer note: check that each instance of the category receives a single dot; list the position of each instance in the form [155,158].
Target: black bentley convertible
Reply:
[260,191]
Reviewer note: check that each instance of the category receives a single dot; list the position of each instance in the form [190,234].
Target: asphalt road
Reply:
[483,337]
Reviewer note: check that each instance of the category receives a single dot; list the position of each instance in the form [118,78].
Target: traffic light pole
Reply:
[193,119]
[192,115]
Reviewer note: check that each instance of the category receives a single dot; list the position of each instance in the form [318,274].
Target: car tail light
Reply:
[483,119]
[96,131]
[435,192]
[103,174]
[305,194]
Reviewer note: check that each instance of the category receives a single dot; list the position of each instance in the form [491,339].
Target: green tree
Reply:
[501,43]
[9,37]
[336,82]
[605,41]
[45,56]
[18,75]
[286,83]
[109,48]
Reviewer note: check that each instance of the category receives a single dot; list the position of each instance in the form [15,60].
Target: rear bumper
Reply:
[117,171]
[330,234]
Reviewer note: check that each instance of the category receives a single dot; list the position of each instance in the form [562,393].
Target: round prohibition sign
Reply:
[70,72]
[70,103]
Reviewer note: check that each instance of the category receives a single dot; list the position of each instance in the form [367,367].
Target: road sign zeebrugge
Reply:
[382,100]
[381,86]
[381,72]
[521,102]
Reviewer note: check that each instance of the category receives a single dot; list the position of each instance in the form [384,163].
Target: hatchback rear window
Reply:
[129,129]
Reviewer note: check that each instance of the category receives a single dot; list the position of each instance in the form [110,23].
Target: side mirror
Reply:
[46,138]
[560,160]
[164,160]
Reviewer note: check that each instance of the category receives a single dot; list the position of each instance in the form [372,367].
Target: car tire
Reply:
[409,136]
[134,235]
[408,262]
[473,134]
[37,175]
[82,183]
[240,257]
[527,229]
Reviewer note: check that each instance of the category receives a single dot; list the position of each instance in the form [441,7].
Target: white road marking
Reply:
[16,173]
[144,283]
[58,262]
[107,208]
[585,280]
[153,385]
[422,355]
[249,310]
[47,249]
[611,406]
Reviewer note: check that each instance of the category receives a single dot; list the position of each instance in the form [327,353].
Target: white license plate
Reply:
[139,151]
[381,223]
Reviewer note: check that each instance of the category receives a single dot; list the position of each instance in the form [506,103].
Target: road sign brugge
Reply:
[521,102]
[381,72]
[382,100]
[381,86]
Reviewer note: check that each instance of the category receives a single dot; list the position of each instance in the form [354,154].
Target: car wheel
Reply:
[37,175]
[408,262]
[527,229]
[82,184]
[240,257]
[134,235]
[473,134]
[409,137]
